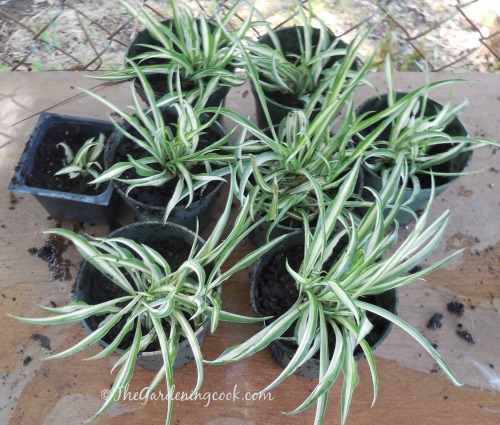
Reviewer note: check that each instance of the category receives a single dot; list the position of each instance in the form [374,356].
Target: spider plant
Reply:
[86,161]
[155,297]
[193,47]
[288,176]
[331,296]
[296,73]
[171,149]
[288,65]
[289,169]
[426,133]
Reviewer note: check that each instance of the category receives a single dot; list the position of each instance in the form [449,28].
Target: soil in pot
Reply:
[50,159]
[276,292]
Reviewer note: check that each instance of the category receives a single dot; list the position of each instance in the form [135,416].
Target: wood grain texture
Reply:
[68,391]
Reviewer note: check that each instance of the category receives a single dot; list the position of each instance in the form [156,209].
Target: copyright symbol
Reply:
[105,394]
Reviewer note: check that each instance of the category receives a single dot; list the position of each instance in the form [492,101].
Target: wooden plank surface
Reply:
[68,391]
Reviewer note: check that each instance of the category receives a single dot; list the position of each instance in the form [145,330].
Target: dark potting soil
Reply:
[159,196]
[49,159]
[276,292]
[159,84]
[102,289]
[464,334]
[43,340]
[286,99]
[435,321]
[51,252]
[456,308]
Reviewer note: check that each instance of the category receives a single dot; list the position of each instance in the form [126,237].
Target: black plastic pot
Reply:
[98,208]
[456,165]
[159,81]
[290,45]
[199,211]
[282,353]
[148,233]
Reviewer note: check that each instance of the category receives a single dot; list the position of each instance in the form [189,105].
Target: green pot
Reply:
[148,233]
[290,44]
[456,165]
[282,353]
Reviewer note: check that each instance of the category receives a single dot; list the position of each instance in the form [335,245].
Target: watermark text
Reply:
[145,395]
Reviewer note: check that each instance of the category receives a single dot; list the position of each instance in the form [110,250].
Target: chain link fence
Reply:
[93,34]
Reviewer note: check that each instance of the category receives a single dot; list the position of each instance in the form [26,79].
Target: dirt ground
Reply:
[84,30]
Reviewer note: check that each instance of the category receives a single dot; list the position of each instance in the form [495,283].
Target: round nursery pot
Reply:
[260,234]
[273,292]
[93,288]
[456,165]
[148,203]
[279,105]
[159,82]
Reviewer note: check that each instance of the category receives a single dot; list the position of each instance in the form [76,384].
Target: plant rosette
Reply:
[155,69]
[197,50]
[269,230]
[444,173]
[149,202]
[154,298]
[289,196]
[273,292]
[289,170]
[172,242]
[293,62]
[168,161]
[429,135]
[345,261]
[62,196]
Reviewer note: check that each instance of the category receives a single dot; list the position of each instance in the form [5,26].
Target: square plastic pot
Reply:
[96,209]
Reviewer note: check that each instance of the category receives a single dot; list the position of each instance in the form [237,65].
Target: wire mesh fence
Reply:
[94,34]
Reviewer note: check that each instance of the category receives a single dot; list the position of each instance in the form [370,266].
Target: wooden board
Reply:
[68,391]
